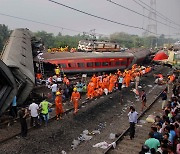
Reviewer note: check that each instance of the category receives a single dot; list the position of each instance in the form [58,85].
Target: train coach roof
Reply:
[18,52]
[75,55]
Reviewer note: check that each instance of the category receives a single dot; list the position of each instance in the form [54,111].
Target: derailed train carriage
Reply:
[16,67]
[88,62]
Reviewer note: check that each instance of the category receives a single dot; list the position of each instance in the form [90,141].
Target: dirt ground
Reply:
[105,114]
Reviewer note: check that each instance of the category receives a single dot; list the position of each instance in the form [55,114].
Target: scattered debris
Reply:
[75,143]
[113,144]
[142,121]
[63,152]
[139,125]
[95,132]
[102,145]
[150,118]
[112,136]
[86,132]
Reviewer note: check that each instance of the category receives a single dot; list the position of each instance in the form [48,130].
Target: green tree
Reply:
[4,35]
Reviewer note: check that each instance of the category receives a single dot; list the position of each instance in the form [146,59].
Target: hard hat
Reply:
[64,74]
[75,89]
[58,93]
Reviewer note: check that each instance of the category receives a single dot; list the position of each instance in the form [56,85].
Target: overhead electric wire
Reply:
[42,23]
[139,13]
[102,18]
[160,14]
[92,15]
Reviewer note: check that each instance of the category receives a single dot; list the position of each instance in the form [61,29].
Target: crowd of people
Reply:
[62,90]
[164,137]
[61,49]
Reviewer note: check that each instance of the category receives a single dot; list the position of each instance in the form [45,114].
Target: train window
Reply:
[105,64]
[80,64]
[97,64]
[71,65]
[90,64]
[24,48]
[24,42]
[111,63]
[123,63]
[62,65]
[118,63]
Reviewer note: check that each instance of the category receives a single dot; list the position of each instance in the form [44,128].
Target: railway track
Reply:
[98,113]
[123,144]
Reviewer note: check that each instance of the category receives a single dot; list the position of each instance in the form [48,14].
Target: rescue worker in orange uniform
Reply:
[111,83]
[59,107]
[96,93]
[90,90]
[66,80]
[171,79]
[100,91]
[105,83]
[39,76]
[127,79]
[94,80]
[75,98]
[118,72]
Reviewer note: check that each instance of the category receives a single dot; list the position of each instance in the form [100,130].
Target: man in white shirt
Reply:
[137,79]
[133,116]
[54,90]
[33,108]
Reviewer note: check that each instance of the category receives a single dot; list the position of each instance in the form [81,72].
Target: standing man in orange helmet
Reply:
[59,107]
[75,98]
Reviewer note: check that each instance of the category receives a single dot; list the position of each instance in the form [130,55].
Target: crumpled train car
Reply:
[17,67]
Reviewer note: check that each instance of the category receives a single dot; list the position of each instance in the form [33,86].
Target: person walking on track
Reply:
[23,113]
[59,107]
[44,106]
[133,116]
[75,98]
[143,99]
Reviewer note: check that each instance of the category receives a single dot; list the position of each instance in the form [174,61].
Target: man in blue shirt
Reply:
[14,108]
[133,116]
[120,81]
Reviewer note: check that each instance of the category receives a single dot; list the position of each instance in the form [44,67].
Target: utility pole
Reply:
[93,34]
[152,26]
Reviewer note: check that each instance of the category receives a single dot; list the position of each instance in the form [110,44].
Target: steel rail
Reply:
[51,119]
[120,138]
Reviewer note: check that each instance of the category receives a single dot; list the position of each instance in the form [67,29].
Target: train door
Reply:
[128,62]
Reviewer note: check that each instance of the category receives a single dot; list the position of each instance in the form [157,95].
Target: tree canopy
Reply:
[124,39]
[4,35]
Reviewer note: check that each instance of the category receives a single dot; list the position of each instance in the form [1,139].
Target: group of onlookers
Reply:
[164,137]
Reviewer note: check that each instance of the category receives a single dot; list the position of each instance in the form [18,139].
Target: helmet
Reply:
[75,89]
[58,93]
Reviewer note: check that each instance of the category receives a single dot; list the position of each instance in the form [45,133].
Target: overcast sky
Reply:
[50,13]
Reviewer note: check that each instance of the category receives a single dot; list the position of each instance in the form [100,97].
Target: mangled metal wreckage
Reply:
[16,68]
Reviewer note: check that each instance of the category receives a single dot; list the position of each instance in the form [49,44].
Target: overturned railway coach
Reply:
[87,62]
[16,68]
